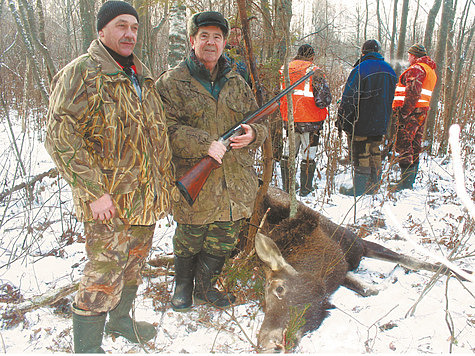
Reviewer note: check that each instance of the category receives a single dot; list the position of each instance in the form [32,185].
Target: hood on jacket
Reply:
[371,55]
[426,60]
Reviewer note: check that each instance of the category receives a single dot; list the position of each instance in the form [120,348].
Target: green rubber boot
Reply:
[408,177]
[360,181]
[87,332]
[121,324]
[307,172]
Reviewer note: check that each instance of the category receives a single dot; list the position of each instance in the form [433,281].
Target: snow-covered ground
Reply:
[404,317]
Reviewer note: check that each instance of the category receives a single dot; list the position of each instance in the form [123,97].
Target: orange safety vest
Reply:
[304,106]
[428,86]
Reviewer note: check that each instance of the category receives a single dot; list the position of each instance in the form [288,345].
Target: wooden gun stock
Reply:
[191,182]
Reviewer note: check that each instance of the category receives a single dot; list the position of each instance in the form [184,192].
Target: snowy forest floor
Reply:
[413,313]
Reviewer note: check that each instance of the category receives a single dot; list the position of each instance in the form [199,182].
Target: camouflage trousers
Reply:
[366,152]
[116,255]
[218,238]
[410,131]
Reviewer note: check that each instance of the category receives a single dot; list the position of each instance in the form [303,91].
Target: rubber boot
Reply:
[284,172]
[408,177]
[307,172]
[360,181]
[121,324]
[182,299]
[207,271]
[87,332]
[374,182]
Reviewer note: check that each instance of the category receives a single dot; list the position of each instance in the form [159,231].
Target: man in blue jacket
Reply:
[364,114]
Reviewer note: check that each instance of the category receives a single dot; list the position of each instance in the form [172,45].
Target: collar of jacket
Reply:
[202,75]
[109,66]
[370,55]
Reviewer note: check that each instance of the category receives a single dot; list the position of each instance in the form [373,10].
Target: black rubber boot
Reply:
[208,268]
[284,172]
[87,332]
[182,299]
[121,324]
[307,172]
[360,181]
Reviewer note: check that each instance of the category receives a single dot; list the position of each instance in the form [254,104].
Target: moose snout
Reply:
[271,341]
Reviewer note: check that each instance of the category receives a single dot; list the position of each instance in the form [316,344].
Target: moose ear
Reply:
[270,254]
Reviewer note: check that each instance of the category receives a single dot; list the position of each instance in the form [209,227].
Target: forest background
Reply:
[40,36]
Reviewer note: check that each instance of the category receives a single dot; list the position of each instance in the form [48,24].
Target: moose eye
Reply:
[279,289]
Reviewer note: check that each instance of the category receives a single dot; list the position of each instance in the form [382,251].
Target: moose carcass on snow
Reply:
[309,258]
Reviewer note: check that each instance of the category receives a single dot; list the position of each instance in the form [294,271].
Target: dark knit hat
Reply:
[370,46]
[418,50]
[111,9]
[207,18]
[305,51]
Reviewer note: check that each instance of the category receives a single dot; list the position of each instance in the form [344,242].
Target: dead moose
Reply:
[309,259]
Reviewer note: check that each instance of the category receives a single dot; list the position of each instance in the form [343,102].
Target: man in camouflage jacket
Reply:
[203,99]
[107,135]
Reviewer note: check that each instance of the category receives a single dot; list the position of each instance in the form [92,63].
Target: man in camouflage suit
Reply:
[107,135]
[411,104]
[204,98]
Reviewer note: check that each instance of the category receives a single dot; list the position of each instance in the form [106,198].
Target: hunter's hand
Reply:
[217,150]
[103,208]
[244,139]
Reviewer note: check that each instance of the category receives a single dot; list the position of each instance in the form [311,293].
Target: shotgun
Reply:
[191,182]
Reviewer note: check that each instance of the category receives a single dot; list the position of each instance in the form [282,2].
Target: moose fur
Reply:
[309,258]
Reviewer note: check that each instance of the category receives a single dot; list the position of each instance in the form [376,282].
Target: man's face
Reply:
[120,34]
[208,44]
[411,58]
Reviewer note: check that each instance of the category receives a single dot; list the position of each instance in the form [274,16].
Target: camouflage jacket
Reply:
[103,139]
[195,118]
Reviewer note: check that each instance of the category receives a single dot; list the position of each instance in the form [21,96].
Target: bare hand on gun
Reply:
[244,139]
[216,151]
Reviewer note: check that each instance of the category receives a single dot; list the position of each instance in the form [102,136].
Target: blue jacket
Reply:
[367,98]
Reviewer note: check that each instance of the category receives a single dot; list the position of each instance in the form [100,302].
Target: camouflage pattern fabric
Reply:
[116,254]
[410,131]
[217,239]
[195,118]
[103,139]
[367,152]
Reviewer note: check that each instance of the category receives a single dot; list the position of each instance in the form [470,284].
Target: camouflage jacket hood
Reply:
[103,139]
[195,118]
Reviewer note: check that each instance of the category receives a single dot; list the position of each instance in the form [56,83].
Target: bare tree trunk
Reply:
[29,23]
[414,40]
[365,31]
[284,18]
[268,30]
[393,32]
[439,59]
[453,77]
[86,10]
[430,24]
[28,42]
[256,86]
[378,15]
[401,44]
[448,87]
[177,35]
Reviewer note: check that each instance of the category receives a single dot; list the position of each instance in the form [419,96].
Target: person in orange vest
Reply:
[410,106]
[310,101]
